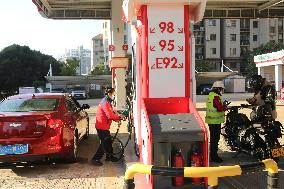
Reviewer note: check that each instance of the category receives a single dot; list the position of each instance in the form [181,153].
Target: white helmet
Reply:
[218,84]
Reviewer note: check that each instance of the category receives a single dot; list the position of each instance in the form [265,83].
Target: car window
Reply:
[28,104]
[78,89]
[75,102]
[71,106]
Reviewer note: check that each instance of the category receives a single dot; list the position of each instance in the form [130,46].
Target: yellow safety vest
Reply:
[212,115]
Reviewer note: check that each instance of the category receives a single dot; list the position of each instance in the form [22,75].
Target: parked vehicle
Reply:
[257,137]
[79,92]
[203,89]
[41,126]
[59,90]
[26,90]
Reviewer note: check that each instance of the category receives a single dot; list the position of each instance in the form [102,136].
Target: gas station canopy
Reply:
[101,9]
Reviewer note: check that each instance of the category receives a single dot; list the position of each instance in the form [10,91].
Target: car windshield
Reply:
[57,90]
[78,89]
[28,104]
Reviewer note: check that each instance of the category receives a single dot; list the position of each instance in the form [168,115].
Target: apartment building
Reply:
[98,50]
[106,41]
[84,56]
[227,40]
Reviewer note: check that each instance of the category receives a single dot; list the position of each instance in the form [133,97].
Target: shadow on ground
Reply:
[81,169]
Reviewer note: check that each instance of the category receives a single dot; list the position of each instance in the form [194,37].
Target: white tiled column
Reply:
[260,71]
[117,28]
[278,77]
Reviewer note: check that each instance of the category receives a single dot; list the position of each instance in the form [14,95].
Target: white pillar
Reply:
[117,28]
[278,77]
[260,71]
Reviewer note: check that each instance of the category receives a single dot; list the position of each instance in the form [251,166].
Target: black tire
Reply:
[117,145]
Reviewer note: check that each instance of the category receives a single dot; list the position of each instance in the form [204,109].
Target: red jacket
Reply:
[105,114]
[218,105]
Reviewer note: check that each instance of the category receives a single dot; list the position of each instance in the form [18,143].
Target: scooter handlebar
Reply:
[241,106]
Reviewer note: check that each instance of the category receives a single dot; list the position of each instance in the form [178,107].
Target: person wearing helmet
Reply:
[215,116]
[105,115]
[264,97]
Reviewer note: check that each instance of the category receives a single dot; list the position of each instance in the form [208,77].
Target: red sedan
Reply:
[41,126]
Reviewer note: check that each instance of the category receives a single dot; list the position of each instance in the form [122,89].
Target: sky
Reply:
[20,23]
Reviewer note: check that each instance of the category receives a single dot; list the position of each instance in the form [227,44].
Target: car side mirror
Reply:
[85,106]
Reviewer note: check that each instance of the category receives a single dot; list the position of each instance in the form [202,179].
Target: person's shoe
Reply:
[112,159]
[216,159]
[96,162]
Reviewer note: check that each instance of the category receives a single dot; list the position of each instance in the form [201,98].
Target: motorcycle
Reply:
[257,136]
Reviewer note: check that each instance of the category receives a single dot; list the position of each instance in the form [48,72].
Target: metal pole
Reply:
[272,180]
[129,184]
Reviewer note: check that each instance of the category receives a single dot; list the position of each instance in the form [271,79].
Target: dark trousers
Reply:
[103,134]
[215,132]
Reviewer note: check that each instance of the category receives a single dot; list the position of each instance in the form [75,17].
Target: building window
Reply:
[233,23]
[233,51]
[200,50]
[254,37]
[213,37]
[280,38]
[272,29]
[233,37]
[213,51]
[255,24]
[280,22]
[245,24]
[212,22]
[280,26]
[96,53]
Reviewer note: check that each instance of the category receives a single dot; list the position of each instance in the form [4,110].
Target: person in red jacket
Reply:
[105,115]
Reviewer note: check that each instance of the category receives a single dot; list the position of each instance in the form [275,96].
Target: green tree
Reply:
[20,67]
[249,65]
[69,67]
[38,83]
[100,69]
[203,66]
